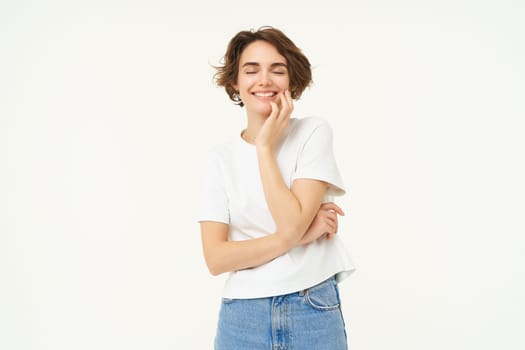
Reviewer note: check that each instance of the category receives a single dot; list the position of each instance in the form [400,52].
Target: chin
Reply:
[265,110]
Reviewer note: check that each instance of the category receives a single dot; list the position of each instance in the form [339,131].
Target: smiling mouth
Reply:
[265,94]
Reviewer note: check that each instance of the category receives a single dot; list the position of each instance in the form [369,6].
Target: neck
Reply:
[254,124]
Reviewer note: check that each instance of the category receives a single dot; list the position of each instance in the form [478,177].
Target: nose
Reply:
[264,78]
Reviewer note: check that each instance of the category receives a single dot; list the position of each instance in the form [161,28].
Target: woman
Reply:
[266,216]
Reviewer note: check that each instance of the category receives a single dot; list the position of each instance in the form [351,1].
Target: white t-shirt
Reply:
[232,193]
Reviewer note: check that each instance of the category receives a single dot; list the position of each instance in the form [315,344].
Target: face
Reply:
[263,73]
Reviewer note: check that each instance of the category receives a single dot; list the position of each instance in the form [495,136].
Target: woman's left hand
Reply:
[277,122]
[325,223]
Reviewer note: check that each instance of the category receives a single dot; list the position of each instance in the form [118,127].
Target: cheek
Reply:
[285,83]
[244,84]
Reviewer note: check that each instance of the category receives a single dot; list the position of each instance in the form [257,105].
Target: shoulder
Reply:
[311,122]
[221,151]
[217,158]
[304,128]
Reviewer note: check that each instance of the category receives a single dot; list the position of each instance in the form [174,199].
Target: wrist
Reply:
[301,242]
[284,243]
[263,148]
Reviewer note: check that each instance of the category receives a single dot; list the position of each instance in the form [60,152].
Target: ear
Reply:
[235,86]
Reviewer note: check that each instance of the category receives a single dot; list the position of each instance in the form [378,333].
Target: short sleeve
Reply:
[214,204]
[316,160]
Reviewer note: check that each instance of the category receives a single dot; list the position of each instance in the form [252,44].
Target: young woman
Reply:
[266,215]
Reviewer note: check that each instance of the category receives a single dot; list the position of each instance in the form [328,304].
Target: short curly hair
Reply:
[299,68]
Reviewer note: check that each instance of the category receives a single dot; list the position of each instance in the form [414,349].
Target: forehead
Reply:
[261,52]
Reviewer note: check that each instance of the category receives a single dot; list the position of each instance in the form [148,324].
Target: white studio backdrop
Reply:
[107,109]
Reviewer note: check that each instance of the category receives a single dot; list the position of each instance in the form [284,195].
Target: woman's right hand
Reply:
[276,122]
[324,222]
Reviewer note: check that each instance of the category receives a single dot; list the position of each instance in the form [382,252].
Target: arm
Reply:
[222,255]
[292,209]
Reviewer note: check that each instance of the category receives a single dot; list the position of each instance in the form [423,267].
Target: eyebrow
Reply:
[276,64]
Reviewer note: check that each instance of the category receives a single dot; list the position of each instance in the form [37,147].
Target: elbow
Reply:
[214,267]
[294,232]
[214,271]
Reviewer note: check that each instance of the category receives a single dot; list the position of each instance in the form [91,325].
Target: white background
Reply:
[108,107]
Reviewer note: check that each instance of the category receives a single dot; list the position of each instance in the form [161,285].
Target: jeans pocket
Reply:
[324,296]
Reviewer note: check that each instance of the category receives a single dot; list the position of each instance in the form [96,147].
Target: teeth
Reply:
[264,94]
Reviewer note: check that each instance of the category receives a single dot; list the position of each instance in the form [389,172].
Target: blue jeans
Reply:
[309,319]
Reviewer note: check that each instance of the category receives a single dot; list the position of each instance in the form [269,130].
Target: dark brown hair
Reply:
[299,68]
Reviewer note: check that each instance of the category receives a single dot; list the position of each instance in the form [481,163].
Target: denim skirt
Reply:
[309,319]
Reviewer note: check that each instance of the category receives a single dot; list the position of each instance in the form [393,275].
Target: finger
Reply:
[333,223]
[332,206]
[285,108]
[288,96]
[331,232]
[327,224]
[331,227]
[286,101]
[330,215]
[275,110]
